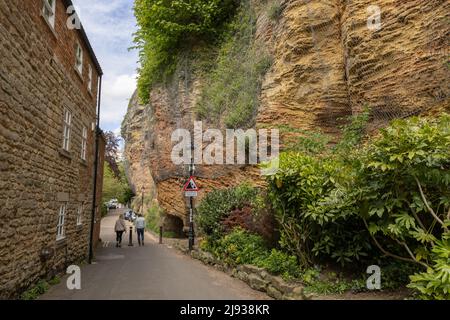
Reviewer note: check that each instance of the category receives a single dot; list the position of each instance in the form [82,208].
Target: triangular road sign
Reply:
[191,185]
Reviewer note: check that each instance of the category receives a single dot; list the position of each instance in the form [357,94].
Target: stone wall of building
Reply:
[38,82]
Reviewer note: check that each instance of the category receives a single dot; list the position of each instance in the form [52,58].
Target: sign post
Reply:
[191,191]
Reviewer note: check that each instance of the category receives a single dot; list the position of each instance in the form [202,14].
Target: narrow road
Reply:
[153,272]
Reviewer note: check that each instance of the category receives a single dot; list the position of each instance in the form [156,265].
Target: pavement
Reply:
[151,272]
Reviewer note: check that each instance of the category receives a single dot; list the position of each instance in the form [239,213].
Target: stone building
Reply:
[49,83]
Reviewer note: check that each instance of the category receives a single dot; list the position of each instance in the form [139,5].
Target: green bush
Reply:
[391,194]
[240,247]
[218,204]
[280,263]
[435,283]
[166,27]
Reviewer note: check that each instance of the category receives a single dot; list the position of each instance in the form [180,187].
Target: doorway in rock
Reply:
[173,226]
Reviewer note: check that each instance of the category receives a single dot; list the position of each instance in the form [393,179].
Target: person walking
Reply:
[140,229]
[120,228]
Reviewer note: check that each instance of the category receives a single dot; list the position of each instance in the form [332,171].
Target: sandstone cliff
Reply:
[328,63]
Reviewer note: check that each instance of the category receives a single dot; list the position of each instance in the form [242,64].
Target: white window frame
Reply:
[90,78]
[60,227]
[80,215]
[79,58]
[49,12]
[84,136]
[67,129]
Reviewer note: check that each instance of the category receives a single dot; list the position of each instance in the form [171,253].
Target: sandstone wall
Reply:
[37,80]
[328,64]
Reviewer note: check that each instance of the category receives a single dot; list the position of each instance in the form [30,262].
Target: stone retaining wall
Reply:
[257,278]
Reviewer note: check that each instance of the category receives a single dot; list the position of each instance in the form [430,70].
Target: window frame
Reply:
[84,139]
[80,215]
[67,129]
[49,12]
[60,227]
[90,77]
[79,56]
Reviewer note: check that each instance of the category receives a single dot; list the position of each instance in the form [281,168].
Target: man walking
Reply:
[140,229]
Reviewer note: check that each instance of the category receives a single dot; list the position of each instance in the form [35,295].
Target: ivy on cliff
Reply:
[165,27]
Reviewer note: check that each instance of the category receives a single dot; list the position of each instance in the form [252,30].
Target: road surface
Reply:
[152,272]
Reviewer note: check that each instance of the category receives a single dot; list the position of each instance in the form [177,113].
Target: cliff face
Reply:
[328,63]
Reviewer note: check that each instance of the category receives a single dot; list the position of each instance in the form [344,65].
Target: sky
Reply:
[110,25]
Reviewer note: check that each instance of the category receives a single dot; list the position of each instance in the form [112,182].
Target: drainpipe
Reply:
[94,196]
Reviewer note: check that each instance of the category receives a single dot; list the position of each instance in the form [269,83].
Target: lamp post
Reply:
[191,204]
[142,205]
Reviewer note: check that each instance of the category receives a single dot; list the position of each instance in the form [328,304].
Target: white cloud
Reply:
[117,91]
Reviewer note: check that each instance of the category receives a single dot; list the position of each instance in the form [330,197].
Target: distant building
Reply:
[49,79]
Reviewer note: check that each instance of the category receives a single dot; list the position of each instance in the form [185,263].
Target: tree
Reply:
[111,152]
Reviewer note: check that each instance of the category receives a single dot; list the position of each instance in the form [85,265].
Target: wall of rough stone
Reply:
[37,81]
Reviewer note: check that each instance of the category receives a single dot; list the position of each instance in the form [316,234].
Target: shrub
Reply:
[240,247]
[218,205]
[405,194]
[280,263]
[435,283]
[317,215]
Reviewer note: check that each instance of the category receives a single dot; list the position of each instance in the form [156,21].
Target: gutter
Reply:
[94,196]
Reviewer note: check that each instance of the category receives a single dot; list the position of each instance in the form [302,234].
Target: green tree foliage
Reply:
[167,26]
[116,187]
[391,194]
[240,247]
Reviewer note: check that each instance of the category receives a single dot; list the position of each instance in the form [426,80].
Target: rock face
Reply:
[331,59]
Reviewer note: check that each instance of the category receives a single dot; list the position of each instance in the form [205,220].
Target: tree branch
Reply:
[428,206]
[417,218]
[391,254]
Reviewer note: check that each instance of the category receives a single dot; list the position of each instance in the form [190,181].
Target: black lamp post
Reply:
[191,203]
[142,205]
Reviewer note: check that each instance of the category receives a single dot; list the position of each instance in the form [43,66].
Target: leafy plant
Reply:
[219,204]
[165,27]
[33,293]
[240,247]
[405,194]
[280,263]
[434,284]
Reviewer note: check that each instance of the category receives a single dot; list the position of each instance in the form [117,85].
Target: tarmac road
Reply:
[152,272]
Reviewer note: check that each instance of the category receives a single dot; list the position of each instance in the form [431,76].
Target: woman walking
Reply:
[120,228]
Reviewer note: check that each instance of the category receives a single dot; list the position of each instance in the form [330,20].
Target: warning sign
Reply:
[191,186]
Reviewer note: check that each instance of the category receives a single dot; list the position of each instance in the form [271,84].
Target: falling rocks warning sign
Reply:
[191,188]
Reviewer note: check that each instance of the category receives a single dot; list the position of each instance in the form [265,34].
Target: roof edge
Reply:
[85,38]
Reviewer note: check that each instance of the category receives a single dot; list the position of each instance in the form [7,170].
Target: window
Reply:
[67,129]
[84,143]
[60,231]
[48,12]
[80,215]
[90,79]
[79,58]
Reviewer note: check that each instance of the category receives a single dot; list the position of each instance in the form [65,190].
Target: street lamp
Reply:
[191,203]
[142,206]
